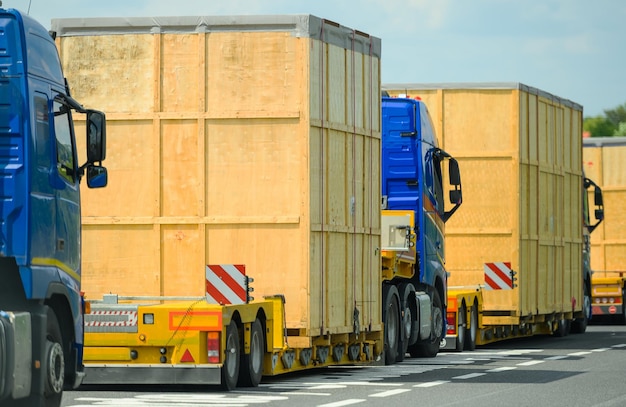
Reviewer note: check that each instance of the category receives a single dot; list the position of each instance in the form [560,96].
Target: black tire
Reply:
[579,325]
[461,328]
[232,356]
[562,328]
[431,348]
[407,319]
[391,321]
[472,330]
[251,369]
[53,362]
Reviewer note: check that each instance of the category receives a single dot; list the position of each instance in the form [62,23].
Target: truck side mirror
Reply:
[455,173]
[456,196]
[97,176]
[599,214]
[96,136]
[597,197]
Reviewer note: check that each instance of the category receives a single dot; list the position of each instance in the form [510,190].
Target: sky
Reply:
[574,49]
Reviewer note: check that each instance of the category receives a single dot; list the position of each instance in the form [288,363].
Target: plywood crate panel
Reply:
[519,151]
[605,163]
[248,140]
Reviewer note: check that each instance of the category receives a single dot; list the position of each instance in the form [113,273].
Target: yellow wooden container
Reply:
[248,140]
[520,155]
[605,163]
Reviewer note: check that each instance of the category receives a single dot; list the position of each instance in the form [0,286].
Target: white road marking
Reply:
[530,363]
[390,393]
[501,369]
[600,350]
[431,384]
[469,376]
[579,353]
[559,357]
[345,384]
[621,345]
[342,403]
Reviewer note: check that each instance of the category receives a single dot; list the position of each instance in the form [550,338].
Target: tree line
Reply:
[610,124]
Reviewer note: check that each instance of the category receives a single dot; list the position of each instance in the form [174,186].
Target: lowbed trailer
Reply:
[191,341]
[515,251]
[604,159]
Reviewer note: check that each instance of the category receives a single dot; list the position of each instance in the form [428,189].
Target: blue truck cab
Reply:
[413,180]
[41,305]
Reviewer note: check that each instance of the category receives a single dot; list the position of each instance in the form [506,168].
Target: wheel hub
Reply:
[56,367]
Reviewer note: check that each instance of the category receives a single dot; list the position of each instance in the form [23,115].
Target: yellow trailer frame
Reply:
[176,342]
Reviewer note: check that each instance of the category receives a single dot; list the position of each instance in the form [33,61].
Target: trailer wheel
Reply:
[461,327]
[391,321]
[470,342]
[230,369]
[54,359]
[252,363]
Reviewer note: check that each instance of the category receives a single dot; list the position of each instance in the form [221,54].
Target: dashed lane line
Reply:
[469,376]
[343,403]
[558,357]
[530,363]
[345,384]
[501,369]
[579,353]
[390,393]
[432,384]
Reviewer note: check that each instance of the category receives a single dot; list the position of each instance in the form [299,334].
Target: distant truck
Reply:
[252,161]
[41,303]
[604,159]
[515,251]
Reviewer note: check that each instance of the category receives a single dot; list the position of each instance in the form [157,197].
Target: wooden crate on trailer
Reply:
[520,155]
[248,140]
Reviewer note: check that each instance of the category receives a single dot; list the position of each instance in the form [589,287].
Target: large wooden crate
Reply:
[520,155]
[605,163]
[248,140]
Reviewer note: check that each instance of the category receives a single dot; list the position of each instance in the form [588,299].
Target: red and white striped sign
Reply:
[498,276]
[226,284]
[112,318]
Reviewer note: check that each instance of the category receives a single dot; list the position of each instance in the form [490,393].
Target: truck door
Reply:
[55,213]
[65,182]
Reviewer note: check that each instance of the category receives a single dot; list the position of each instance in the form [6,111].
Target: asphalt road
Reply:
[576,370]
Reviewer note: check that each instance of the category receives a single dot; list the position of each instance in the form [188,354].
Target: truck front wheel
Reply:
[430,348]
[54,368]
